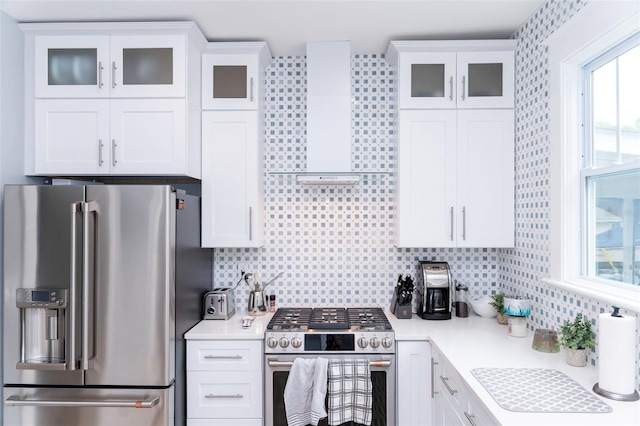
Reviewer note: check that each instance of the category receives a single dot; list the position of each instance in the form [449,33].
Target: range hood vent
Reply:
[328,114]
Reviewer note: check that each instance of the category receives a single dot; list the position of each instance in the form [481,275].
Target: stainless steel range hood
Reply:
[329,114]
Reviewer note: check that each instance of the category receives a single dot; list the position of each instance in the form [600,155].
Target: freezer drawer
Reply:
[83,407]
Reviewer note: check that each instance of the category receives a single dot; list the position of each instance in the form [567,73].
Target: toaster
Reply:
[219,304]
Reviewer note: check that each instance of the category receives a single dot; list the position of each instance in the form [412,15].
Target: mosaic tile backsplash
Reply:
[334,244]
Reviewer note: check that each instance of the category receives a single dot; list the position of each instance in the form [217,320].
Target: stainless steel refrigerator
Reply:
[100,284]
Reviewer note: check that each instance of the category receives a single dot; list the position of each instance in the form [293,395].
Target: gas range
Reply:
[323,330]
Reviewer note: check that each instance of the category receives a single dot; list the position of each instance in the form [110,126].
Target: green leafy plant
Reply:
[577,334]
[497,301]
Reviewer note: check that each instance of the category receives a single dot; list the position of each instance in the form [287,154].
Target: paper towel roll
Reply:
[616,353]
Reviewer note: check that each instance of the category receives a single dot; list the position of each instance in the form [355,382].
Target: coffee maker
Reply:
[435,292]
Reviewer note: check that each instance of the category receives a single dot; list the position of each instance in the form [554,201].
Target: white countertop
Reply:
[467,343]
[475,342]
[230,329]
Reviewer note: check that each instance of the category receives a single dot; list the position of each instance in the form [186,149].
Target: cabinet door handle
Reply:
[433,378]
[451,88]
[100,146]
[470,417]
[464,223]
[100,68]
[212,396]
[113,152]
[251,89]
[451,222]
[250,224]
[446,384]
[463,88]
[113,74]
[223,357]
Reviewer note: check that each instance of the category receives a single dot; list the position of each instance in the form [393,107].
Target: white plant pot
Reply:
[577,357]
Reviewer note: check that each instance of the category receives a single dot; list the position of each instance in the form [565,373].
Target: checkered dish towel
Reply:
[350,391]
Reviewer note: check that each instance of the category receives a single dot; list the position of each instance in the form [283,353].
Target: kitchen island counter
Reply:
[476,342]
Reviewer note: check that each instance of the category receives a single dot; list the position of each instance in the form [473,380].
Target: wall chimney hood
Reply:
[328,114]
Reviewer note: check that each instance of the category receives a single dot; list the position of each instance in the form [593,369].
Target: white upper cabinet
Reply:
[102,137]
[117,66]
[455,143]
[232,75]
[71,66]
[454,74]
[113,99]
[149,66]
[233,144]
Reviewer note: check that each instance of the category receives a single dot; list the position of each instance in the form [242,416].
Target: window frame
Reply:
[593,30]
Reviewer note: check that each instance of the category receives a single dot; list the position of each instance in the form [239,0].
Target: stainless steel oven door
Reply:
[383,378]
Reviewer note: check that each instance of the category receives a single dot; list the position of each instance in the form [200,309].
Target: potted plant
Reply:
[497,301]
[576,336]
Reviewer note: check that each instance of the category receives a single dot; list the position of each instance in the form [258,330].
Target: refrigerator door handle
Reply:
[88,307]
[19,401]
[73,356]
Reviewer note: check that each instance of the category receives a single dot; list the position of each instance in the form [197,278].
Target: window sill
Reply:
[615,296]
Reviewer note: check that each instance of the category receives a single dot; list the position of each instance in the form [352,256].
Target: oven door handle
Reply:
[379,363]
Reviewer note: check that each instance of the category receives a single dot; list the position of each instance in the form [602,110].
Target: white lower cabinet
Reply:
[413,397]
[454,403]
[224,383]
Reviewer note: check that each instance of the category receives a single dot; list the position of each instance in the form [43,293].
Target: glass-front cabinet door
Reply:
[71,67]
[441,80]
[427,80]
[148,66]
[229,82]
[485,80]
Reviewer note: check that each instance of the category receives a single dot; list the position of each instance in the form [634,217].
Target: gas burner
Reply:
[329,318]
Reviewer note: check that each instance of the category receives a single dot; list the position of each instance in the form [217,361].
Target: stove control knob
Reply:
[272,342]
[374,342]
[386,342]
[284,342]
[363,342]
[296,342]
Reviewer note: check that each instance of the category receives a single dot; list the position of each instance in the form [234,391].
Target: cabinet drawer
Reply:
[224,395]
[449,383]
[224,355]
[477,415]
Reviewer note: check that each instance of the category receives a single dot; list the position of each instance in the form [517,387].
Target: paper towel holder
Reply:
[616,396]
[634,396]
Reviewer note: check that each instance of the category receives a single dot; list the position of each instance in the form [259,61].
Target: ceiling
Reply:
[287,24]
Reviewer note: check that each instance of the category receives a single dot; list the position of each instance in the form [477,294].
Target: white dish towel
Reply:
[305,391]
[350,391]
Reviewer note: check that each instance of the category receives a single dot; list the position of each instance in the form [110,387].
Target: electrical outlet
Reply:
[242,269]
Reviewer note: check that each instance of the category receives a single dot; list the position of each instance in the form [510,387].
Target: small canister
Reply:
[462,301]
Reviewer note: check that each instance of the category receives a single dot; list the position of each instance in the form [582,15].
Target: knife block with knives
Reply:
[402,297]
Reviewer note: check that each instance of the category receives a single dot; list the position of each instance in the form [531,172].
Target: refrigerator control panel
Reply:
[54,298]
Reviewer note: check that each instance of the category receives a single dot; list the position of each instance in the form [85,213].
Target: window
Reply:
[610,174]
[575,183]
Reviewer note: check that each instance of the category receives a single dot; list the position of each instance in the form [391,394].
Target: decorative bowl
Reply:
[483,307]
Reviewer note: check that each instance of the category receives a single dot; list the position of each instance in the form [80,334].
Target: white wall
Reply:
[11,117]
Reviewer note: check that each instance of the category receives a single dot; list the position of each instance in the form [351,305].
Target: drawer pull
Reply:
[212,396]
[446,384]
[223,357]
[470,417]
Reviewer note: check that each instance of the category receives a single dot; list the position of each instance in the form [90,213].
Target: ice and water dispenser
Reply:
[42,328]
